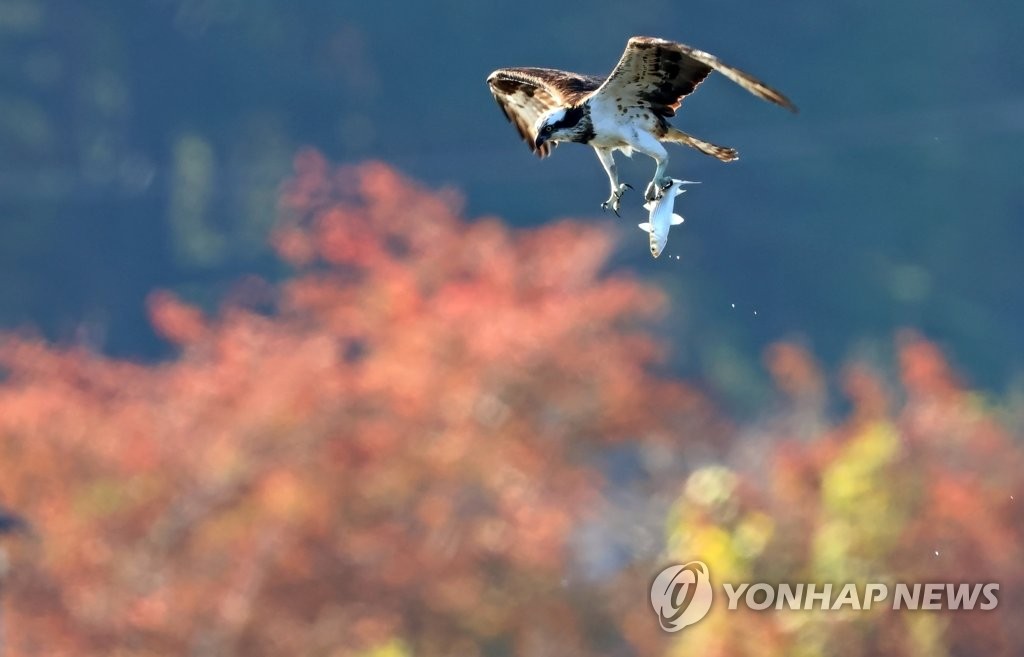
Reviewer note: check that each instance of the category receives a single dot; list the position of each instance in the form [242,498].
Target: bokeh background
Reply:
[304,353]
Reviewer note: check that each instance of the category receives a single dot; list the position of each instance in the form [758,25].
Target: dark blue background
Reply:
[142,145]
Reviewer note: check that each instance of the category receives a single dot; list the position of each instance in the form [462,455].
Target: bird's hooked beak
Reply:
[539,141]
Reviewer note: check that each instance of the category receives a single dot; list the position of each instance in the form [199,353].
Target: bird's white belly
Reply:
[617,128]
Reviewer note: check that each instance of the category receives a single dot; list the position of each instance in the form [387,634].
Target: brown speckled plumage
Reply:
[653,75]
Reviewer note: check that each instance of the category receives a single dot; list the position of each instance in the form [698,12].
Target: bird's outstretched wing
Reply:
[661,73]
[525,94]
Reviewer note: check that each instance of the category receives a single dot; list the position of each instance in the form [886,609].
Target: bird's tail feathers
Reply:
[723,153]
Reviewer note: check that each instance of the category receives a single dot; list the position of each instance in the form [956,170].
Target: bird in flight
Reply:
[627,111]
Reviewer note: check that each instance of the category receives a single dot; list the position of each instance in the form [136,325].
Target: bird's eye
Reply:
[547,130]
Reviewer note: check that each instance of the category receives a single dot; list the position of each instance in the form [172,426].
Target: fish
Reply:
[661,216]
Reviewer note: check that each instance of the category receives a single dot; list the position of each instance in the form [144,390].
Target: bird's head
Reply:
[563,124]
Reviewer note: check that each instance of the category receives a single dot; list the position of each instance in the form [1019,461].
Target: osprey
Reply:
[627,111]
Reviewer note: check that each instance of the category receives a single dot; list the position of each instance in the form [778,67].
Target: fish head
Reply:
[658,242]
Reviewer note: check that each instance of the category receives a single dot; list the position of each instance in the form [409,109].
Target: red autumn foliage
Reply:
[394,455]
[401,449]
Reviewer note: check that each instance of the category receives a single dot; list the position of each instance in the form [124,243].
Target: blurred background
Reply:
[303,351]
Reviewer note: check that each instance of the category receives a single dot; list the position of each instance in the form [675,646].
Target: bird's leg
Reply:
[650,146]
[660,182]
[608,162]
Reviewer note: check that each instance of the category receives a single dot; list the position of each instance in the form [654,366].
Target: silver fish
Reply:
[661,215]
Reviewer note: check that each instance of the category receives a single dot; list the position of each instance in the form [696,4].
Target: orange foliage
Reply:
[175,320]
[401,449]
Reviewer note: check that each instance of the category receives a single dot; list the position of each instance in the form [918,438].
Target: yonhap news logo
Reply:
[681,595]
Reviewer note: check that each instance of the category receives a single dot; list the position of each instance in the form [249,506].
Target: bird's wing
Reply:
[525,94]
[661,73]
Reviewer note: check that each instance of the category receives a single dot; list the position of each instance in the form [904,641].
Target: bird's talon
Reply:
[613,206]
[613,200]
[656,188]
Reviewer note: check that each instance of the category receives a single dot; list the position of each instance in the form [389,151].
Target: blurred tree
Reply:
[918,490]
[390,460]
